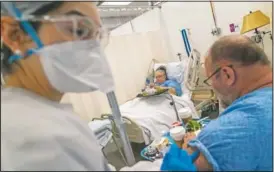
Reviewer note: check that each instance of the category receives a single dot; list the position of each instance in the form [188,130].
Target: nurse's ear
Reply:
[13,36]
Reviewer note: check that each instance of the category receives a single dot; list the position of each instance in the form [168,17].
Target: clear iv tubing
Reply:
[145,157]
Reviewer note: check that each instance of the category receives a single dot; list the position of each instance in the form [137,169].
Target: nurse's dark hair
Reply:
[238,48]
[6,52]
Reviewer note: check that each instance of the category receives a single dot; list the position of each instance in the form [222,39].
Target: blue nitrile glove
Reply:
[177,159]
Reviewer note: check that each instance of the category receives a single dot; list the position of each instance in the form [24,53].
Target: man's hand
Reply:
[200,162]
[188,136]
[177,159]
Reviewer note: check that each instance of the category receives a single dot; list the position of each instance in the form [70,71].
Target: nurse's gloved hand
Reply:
[177,159]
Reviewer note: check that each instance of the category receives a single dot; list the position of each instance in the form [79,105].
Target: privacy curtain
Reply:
[129,57]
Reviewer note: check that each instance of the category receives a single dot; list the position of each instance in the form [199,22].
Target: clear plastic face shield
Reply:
[70,27]
[74,27]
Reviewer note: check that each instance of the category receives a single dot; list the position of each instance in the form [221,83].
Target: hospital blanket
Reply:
[145,166]
[101,130]
[98,125]
[155,113]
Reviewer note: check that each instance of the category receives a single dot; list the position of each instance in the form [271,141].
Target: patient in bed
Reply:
[162,81]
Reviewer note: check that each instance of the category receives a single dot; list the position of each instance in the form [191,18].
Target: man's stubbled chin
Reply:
[222,101]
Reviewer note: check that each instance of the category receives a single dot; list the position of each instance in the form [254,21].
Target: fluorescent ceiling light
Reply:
[156,3]
[116,3]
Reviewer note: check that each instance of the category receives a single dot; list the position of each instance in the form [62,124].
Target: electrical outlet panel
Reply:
[216,31]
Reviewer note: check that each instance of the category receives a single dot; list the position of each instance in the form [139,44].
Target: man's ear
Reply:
[12,35]
[229,75]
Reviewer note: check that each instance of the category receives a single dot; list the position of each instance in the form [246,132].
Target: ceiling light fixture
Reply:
[109,3]
[156,3]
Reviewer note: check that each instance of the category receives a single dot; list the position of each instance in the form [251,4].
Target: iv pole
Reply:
[120,127]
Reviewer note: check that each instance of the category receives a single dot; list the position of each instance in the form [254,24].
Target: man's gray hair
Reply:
[238,48]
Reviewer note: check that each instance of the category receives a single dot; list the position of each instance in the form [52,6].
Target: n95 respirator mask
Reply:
[78,66]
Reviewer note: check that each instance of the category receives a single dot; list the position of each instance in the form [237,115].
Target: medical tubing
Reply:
[185,36]
[120,127]
[185,42]
[175,109]
[182,32]
[186,39]
[144,156]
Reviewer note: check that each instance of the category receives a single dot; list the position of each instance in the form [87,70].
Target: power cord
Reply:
[270,34]
[262,38]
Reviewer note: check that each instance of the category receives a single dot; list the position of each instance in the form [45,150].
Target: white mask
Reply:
[78,66]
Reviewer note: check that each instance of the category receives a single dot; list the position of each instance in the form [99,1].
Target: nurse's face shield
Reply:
[74,28]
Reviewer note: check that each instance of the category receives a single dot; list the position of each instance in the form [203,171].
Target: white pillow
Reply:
[157,65]
[175,70]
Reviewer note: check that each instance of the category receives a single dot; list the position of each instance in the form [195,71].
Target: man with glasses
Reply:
[241,137]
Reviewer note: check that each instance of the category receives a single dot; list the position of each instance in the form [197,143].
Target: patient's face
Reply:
[160,76]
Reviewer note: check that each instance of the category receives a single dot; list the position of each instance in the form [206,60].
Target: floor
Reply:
[114,157]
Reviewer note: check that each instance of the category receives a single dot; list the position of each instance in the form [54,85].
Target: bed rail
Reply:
[133,130]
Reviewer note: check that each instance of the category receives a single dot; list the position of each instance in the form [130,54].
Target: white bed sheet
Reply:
[100,125]
[155,113]
[144,166]
[102,131]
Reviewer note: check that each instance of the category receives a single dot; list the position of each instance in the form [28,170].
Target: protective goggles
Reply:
[73,27]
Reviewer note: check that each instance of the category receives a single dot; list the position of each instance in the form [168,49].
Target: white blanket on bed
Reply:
[155,113]
[144,166]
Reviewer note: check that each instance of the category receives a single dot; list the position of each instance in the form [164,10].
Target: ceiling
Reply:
[115,15]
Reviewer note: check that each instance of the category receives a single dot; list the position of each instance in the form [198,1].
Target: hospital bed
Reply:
[104,131]
[137,112]
[202,95]
[155,164]
[146,118]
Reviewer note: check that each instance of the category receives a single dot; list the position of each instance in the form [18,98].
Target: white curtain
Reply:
[129,57]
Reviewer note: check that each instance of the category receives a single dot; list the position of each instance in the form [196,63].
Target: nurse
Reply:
[48,49]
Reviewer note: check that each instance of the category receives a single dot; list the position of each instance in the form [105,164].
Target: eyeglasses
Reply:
[74,27]
[208,81]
